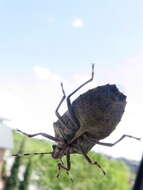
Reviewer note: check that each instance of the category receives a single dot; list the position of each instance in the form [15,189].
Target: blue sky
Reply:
[112,31]
[44,42]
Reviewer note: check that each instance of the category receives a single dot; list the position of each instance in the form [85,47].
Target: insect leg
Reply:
[94,163]
[68,98]
[112,144]
[91,162]
[57,113]
[32,154]
[42,134]
[61,165]
[64,96]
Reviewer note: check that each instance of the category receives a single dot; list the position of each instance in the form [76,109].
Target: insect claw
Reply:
[92,71]
[57,176]
[28,135]
[98,165]
[14,155]
[63,89]
[137,138]
[59,169]
[19,131]
[62,84]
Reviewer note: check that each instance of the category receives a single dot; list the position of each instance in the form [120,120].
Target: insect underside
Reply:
[90,118]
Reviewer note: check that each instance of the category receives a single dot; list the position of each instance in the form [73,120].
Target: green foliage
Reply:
[82,176]
[3,171]
[13,180]
[27,175]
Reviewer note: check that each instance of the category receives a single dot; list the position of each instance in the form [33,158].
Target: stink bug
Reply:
[89,118]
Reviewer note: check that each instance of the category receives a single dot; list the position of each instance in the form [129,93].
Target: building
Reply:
[6,141]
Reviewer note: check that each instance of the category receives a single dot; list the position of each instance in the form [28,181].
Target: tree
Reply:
[3,175]
[12,182]
[27,175]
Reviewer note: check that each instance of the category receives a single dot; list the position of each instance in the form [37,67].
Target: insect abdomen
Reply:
[99,110]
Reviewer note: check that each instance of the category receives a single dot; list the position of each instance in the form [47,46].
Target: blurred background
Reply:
[43,43]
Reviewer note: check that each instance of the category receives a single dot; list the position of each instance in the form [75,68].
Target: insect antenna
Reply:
[31,154]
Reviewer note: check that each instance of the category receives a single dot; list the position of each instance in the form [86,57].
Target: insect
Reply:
[89,119]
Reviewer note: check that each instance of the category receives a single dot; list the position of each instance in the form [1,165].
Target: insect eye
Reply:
[54,146]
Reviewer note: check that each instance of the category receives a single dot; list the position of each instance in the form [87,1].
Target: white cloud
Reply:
[33,108]
[43,73]
[78,23]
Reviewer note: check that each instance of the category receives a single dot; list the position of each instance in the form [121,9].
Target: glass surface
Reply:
[44,43]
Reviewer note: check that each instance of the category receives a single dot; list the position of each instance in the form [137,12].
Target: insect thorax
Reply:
[66,128]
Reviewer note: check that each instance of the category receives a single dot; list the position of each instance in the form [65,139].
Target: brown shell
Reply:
[98,112]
